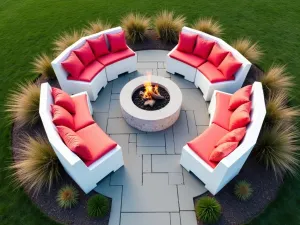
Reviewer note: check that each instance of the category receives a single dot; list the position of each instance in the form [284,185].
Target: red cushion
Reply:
[115,57]
[240,97]
[98,142]
[187,58]
[98,46]
[85,54]
[222,114]
[205,143]
[240,117]
[203,47]
[90,72]
[75,143]
[73,65]
[186,42]
[82,117]
[212,73]
[117,41]
[61,117]
[217,55]
[222,151]
[235,135]
[62,99]
[229,66]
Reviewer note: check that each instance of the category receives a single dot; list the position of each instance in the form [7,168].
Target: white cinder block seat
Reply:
[217,155]
[92,61]
[208,61]
[84,150]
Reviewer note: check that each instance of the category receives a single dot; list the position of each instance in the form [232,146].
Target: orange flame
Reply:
[149,88]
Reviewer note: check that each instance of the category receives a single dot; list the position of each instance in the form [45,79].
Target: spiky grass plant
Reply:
[208,210]
[98,206]
[168,26]
[42,65]
[67,197]
[96,26]
[65,40]
[135,26]
[251,51]
[37,165]
[209,26]
[243,190]
[277,148]
[23,104]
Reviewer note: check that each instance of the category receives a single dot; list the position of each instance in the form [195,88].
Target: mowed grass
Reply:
[28,27]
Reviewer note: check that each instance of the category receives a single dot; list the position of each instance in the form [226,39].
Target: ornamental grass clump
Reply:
[168,26]
[65,40]
[208,210]
[42,65]
[98,206]
[248,49]
[67,197]
[209,26]
[135,26]
[243,190]
[37,165]
[96,26]
[23,104]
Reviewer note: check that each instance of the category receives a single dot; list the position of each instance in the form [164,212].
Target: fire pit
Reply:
[151,103]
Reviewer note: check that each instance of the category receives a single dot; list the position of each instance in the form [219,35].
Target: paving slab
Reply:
[115,109]
[166,163]
[150,150]
[146,163]
[145,219]
[191,122]
[152,139]
[101,120]
[181,82]
[170,147]
[132,138]
[119,126]
[152,55]
[175,219]
[160,179]
[161,65]
[201,129]
[188,218]
[146,65]
[163,73]
[175,179]
[115,96]
[181,126]
[119,83]
[103,100]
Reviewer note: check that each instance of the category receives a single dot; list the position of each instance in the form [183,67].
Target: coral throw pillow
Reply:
[75,143]
[240,117]
[73,65]
[186,42]
[222,151]
[85,54]
[217,55]
[235,135]
[61,117]
[62,99]
[203,47]
[229,66]
[117,41]
[240,97]
[99,46]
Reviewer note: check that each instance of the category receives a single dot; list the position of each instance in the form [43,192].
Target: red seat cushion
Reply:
[222,115]
[82,117]
[63,99]
[98,142]
[235,135]
[61,117]
[240,97]
[115,57]
[117,41]
[222,151]
[205,143]
[98,46]
[89,72]
[203,47]
[85,54]
[217,55]
[240,117]
[212,73]
[186,42]
[187,58]
[229,66]
[73,65]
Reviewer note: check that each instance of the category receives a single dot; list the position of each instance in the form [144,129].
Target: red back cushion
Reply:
[85,54]
[99,46]
[73,65]
[240,97]
[62,99]
[186,42]
[117,41]
[240,117]
[203,47]
[222,151]
[217,55]
[229,66]
[75,143]
[235,135]
[61,117]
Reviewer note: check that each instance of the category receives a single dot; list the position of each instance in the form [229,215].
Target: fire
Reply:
[149,89]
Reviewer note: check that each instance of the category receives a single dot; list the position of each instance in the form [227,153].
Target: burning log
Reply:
[153,95]
[150,102]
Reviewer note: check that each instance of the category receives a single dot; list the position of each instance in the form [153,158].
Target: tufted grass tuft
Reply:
[209,26]
[251,51]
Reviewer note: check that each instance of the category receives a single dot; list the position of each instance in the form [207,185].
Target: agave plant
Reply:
[209,26]
[65,40]
[42,65]
[243,190]
[96,27]
[208,210]
[67,196]
[98,206]
[251,51]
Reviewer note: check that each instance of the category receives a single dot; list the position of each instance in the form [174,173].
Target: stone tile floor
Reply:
[152,188]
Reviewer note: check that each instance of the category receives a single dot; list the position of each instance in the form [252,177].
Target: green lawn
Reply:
[27,27]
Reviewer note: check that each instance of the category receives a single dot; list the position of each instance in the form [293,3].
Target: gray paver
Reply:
[188,218]
[119,83]
[175,219]
[101,120]
[163,73]
[175,178]
[146,65]
[150,150]
[146,163]
[160,179]
[152,55]
[191,123]
[181,83]
[166,163]
[103,100]
[132,138]
[115,109]
[119,126]
[115,96]
[201,129]
[170,147]
[161,65]
[145,219]
[153,139]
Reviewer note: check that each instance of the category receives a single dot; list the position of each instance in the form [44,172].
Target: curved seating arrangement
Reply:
[69,123]
[208,61]
[218,154]
[92,61]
